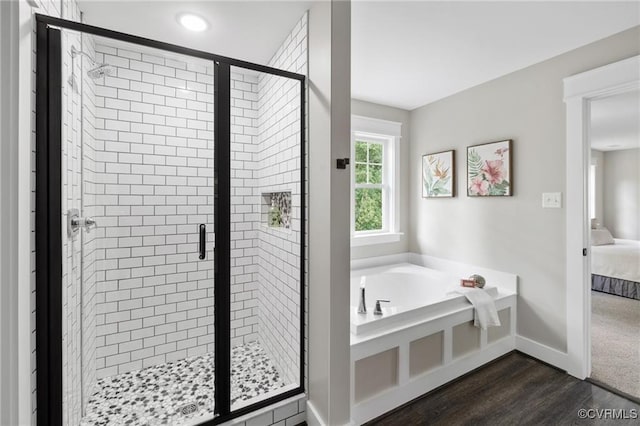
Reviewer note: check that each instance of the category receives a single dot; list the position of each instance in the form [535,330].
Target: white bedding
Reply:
[619,260]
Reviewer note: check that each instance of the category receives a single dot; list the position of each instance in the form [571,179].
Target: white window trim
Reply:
[390,133]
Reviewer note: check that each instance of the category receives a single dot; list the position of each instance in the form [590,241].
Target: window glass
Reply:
[368,209]
[369,186]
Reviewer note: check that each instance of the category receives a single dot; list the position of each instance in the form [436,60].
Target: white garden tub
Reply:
[414,292]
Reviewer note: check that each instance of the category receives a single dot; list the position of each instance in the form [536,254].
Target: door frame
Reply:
[579,91]
[48,225]
[48,235]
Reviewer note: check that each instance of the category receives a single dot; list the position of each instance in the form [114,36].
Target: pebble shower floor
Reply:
[154,395]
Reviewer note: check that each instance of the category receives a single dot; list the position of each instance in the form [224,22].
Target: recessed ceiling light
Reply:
[193,22]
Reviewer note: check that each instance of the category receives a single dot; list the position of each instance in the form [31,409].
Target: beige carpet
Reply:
[615,342]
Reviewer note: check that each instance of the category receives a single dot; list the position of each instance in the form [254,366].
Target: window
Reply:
[369,188]
[374,198]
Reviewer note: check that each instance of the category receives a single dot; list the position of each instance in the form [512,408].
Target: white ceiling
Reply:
[248,30]
[404,54]
[408,54]
[615,122]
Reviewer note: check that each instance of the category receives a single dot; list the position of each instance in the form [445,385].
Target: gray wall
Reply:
[512,234]
[382,112]
[621,192]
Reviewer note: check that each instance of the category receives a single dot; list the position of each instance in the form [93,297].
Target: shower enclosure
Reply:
[170,230]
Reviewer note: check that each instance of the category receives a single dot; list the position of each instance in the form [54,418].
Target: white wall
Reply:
[329,191]
[621,191]
[511,234]
[383,112]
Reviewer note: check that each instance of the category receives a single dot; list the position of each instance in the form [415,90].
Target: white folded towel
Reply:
[485,313]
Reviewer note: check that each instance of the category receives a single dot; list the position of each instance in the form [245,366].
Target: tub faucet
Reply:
[362,307]
[378,309]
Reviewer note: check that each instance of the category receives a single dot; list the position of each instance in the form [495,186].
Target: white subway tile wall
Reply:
[279,163]
[291,413]
[244,214]
[89,240]
[71,265]
[154,145]
[78,165]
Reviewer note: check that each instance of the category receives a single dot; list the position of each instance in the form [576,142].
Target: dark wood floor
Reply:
[515,390]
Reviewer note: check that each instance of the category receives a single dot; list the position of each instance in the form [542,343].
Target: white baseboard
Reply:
[542,352]
[313,418]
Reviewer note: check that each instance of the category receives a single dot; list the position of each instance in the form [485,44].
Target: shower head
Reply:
[100,71]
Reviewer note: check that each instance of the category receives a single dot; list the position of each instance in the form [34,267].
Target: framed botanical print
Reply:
[438,174]
[489,170]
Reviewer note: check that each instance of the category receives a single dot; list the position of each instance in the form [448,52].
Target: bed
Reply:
[615,268]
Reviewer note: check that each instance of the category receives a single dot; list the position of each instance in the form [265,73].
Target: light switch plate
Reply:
[552,200]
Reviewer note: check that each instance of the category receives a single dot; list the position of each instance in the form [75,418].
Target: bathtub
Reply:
[425,336]
[415,293]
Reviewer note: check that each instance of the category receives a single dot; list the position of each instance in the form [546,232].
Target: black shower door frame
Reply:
[49,217]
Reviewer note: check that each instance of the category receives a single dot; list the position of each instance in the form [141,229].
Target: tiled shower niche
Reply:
[276,210]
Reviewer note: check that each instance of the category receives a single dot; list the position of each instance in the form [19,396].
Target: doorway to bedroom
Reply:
[613,209]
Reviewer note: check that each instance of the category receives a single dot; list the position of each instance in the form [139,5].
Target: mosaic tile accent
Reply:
[155,395]
[282,203]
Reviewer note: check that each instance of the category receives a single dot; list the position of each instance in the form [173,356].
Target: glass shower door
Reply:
[129,330]
[266,167]
[138,207]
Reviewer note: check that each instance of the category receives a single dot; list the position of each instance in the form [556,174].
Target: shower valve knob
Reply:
[77,222]
[89,223]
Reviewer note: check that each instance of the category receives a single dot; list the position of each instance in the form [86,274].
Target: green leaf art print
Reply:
[438,174]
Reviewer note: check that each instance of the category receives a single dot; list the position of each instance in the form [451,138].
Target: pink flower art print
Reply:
[479,186]
[492,171]
[488,169]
